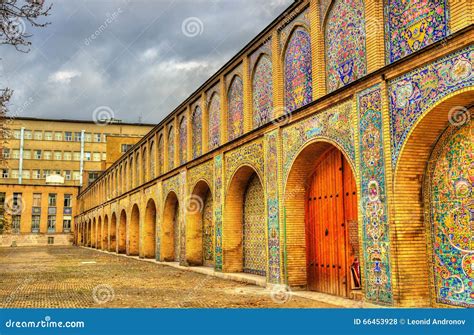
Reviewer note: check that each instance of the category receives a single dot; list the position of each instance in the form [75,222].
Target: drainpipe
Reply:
[81,169]
[20,163]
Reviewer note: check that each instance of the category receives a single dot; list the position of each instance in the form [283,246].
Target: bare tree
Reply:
[15,16]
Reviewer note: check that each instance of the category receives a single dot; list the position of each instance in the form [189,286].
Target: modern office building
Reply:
[44,164]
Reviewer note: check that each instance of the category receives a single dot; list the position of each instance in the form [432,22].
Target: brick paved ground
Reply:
[67,276]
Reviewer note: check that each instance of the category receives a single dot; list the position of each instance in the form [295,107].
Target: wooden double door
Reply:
[331,211]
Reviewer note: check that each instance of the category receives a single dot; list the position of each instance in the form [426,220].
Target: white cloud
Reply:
[63,77]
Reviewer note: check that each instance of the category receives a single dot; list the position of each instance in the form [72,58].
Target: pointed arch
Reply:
[149,230]
[298,69]
[214,111]
[235,108]
[196,120]
[262,91]
[134,232]
[344,33]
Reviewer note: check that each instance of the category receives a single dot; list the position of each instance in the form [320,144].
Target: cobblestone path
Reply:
[76,277]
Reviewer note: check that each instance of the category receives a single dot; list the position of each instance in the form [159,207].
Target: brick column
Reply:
[317,51]
[247,94]
[223,101]
[277,76]
[374,32]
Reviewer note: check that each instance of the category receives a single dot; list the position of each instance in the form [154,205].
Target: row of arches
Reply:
[428,225]
[187,232]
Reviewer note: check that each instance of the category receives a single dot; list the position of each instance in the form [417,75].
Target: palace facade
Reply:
[333,153]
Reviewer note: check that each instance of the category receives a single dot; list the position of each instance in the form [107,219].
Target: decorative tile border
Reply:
[251,154]
[412,94]
[373,197]
[333,124]
[218,204]
[273,223]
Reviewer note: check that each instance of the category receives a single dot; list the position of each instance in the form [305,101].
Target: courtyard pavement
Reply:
[44,277]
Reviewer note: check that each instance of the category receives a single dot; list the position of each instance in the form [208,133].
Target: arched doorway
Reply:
[422,217]
[112,233]
[170,232]
[122,233]
[89,234]
[200,226]
[321,210]
[106,233]
[133,232]
[94,234]
[99,234]
[149,230]
[331,208]
[244,228]
[449,184]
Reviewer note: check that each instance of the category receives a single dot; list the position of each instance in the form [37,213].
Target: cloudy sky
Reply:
[138,58]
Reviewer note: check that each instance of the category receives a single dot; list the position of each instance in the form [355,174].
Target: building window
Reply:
[96,156]
[14,173]
[68,136]
[26,154]
[76,156]
[57,172]
[36,174]
[66,224]
[38,135]
[27,135]
[16,220]
[16,134]
[67,155]
[77,136]
[126,147]
[37,154]
[67,200]
[47,155]
[104,156]
[48,135]
[76,175]
[87,137]
[51,223]
[93,176]
[46,173]
[98,138]
[87,156]
[5,173]
[6,153]
[67,174]
[16,154]
[52,200]
[58,136]
[36,199]
[35,223]
[57,155]
[26,174]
